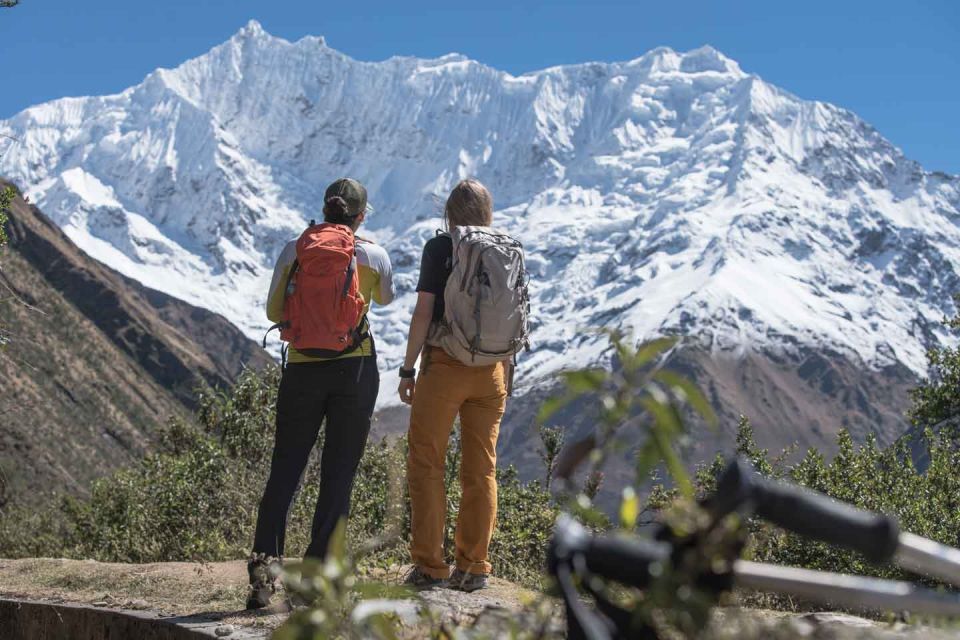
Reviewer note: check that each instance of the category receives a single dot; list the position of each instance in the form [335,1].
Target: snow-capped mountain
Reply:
[671,192]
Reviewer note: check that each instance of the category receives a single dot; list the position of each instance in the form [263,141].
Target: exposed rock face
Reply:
[93,362]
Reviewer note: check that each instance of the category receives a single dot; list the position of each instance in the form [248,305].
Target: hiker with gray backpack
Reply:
[469,323]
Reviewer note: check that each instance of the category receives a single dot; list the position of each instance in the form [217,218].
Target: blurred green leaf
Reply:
[629,508]
[552,405]
[691,393]
[585,381]
[368,590]
[651,350]
[338,541]
[648,456]
[666,424]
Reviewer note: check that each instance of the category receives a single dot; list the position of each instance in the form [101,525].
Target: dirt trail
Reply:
[212,594]
[216,591]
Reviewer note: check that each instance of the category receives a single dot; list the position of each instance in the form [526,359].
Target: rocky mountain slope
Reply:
[670,193]
[92,362]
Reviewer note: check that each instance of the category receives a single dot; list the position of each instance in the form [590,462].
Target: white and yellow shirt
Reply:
[376,285]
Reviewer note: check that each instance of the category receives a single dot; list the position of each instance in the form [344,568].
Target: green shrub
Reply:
[197,498]
[937,399]
[882,480]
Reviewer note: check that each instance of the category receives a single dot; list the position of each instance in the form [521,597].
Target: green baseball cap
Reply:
[353,192]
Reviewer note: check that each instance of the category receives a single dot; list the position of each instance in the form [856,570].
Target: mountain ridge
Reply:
[672,192]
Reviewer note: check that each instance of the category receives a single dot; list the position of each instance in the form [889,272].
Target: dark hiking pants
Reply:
[342,393]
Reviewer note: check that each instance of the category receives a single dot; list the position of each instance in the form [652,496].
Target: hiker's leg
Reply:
[437,397]
[479,427]
[299,413]
[354,384]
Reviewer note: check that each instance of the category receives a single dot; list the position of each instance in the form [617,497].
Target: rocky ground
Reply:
[209,598]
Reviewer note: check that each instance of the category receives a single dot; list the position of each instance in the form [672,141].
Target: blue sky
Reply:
[897,64]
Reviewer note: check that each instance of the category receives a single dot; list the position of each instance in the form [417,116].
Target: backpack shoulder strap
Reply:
[293,270]
[283,324]
[351,271]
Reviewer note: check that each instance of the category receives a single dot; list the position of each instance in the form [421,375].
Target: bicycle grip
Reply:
[811,514]
[626,560]
[623,558]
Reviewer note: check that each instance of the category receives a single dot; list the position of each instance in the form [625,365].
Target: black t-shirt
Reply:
[435,267]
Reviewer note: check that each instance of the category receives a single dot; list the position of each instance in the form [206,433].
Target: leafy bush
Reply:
[925,501]
[883,480]
[937,399]
[197,498]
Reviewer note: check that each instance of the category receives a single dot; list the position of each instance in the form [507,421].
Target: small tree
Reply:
[937,399]
[551,439]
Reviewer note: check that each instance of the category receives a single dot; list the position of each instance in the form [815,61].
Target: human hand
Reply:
[406,389]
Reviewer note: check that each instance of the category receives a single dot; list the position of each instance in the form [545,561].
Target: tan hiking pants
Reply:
[446,387]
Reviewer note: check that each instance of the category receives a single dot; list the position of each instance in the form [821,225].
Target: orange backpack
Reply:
[323,309]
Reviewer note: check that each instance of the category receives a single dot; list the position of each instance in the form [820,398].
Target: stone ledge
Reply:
[50,620]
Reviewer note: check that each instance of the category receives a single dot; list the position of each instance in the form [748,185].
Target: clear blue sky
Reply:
[896,63]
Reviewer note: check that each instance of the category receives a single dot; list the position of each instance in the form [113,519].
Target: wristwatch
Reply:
[407,373]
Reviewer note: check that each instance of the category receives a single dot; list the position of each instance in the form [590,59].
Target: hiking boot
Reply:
[466,581]
[420,580]
[297,601]
[263,571]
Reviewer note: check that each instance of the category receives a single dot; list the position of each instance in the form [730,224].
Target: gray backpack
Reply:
[486,300]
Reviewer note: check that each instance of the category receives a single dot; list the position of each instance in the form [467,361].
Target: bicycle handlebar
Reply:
[626,559]
[806,512]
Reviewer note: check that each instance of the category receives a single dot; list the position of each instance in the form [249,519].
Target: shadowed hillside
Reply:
[93,362]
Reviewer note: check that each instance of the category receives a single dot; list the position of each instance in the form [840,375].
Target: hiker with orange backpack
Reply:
[469,323]
[319,296]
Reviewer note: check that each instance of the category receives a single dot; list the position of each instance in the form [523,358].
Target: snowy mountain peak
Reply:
[704,59]
[253,29]
[673,192]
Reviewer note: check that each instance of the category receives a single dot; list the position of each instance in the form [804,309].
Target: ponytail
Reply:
[335,211]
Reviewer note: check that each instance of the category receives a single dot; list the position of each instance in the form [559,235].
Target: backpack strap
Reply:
[283,324]
[293,270]
[360,335]
[350,271]
[275,326]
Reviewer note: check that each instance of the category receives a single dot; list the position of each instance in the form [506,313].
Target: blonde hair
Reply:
[469,204]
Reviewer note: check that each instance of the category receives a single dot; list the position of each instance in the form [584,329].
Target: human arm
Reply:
[384,292]
[417,336]
[278,283]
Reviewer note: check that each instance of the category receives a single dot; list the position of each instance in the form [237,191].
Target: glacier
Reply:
[673,193]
